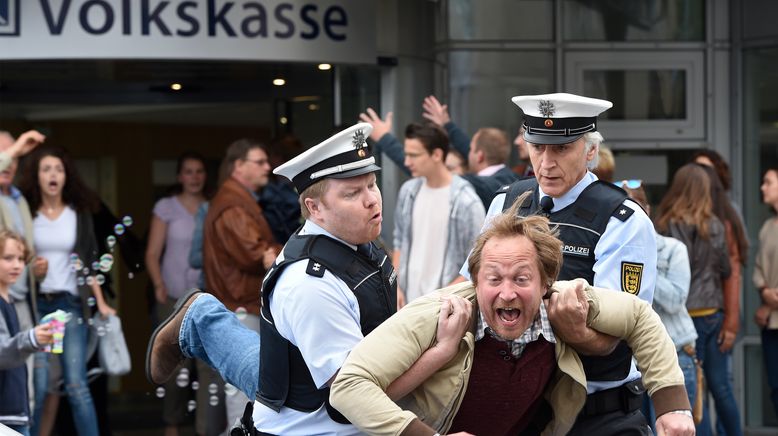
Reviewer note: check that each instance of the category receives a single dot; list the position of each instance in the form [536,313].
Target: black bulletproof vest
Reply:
[580,226]
[284,378]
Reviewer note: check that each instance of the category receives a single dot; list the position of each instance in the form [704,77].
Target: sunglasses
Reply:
[631,184]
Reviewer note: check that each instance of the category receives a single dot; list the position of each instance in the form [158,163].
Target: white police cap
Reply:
[343,155]
[559,118]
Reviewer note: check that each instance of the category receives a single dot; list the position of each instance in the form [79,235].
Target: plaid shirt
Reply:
[540,326]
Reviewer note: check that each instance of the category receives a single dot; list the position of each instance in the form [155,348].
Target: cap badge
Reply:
[359,139]
[548,122]
[546,108]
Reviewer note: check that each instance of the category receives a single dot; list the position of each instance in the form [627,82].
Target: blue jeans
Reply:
[715,364]
[770,352]
[686,363]
[73,361]
[212,333]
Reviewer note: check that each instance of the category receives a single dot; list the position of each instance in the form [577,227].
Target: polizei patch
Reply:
[576,250]
[631,275]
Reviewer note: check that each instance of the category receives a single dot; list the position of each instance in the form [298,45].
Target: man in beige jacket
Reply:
[505,372]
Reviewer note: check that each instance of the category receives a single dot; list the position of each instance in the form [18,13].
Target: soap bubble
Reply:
[110,241]
[100,279]
[212,388]
[160,392]
[118,229]
[230,390]
[85,271]
[191,405]
[90,280]
[127,221]
[183,378]
[91,301]
[195,385]
[241,313]
[100,331]
[80,281]
[95,265]
[106,263]
[213,401]
[130,275]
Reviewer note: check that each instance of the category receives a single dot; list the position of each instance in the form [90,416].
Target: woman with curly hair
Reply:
[63,233]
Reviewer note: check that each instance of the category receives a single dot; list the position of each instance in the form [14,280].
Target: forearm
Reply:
[427,364]
[418,428]
[593,343]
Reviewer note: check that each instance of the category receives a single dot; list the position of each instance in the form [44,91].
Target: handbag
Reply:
[697,409]
[112,349]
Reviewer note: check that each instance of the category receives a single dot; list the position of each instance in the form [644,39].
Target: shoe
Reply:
[164,352]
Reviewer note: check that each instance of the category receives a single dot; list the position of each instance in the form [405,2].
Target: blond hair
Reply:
[535,228]
[315,192]
[687,201]
[6,235]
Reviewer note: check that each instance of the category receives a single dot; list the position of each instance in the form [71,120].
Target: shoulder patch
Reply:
[631,276]
[315,268]
[623,212]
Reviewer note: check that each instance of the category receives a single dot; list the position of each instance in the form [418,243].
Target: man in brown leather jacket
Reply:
[238,245]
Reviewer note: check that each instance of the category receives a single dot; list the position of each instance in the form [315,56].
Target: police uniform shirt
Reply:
[626,244]
[320,316]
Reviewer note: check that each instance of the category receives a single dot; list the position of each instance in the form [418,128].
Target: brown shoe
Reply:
[164,353]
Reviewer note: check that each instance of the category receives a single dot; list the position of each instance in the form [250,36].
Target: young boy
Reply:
[15,346]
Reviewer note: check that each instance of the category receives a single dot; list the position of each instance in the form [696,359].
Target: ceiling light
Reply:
[283,120]
[313,107]
[325,67]
[279,82]
[175,86]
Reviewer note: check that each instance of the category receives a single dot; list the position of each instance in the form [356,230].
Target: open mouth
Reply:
[376,217]
[509,315]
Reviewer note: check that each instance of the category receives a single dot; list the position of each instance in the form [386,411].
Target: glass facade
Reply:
[639,94]
[760,131]
[526,20]
[634,20]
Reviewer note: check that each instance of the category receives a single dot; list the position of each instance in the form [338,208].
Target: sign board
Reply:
[333,31]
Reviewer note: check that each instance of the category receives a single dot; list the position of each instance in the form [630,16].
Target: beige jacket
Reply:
[6,222]
[385,354]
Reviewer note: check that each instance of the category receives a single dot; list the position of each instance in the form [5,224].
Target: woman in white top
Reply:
[63,234]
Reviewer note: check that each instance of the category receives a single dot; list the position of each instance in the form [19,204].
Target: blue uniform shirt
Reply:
[320,316]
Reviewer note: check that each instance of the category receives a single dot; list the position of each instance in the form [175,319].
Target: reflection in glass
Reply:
[483,82]
[760,130]
[639,94]
[528,20]
[634,20]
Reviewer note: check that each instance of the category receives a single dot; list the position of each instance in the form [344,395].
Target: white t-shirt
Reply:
[55,240]
[429,233]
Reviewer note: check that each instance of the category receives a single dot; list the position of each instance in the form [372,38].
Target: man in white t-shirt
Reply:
[437,218]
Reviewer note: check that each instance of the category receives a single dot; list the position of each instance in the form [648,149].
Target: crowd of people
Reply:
[529,299]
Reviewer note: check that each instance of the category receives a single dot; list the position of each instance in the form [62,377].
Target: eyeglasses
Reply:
[631,184]
[259,162]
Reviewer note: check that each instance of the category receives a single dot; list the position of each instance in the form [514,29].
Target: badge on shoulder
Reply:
[631,276]
[623,212]
[315,268]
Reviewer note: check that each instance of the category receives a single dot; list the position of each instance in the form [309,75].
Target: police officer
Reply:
[329,286]
[608,240]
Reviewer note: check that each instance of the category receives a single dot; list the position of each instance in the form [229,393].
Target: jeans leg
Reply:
[689,369]
[213,334]
[73,361]
[770,352]
[703,336]
[40,376]
[717,376]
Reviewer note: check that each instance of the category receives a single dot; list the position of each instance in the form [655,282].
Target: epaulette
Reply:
[315,268]
[623,212]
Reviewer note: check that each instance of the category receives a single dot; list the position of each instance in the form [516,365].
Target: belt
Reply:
[625,398]
[51,296]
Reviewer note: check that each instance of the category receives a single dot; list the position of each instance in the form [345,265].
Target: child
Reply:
[15,346]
